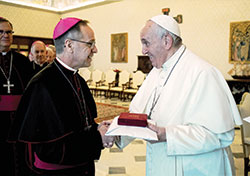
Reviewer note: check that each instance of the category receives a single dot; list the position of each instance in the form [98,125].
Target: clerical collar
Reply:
[4,53]
[37,63]
[173,58]
[66,66]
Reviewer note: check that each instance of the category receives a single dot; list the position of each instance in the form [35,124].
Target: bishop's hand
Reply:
[107,141]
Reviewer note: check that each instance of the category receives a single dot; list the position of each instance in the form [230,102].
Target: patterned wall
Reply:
[28,21]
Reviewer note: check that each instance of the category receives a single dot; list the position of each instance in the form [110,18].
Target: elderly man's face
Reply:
[153,45]
[6,38]
[39,53]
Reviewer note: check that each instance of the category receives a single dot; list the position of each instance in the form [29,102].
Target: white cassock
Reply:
[199,113]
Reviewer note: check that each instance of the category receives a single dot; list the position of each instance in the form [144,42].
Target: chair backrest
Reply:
[85,73]
[109,76]
[123,77]
[244,109]
[96,76]
[138,78]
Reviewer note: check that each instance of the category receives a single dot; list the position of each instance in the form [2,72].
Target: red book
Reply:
[133,119]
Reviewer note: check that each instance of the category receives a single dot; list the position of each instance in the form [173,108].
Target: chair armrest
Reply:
[126,85]
[99,83]
[112,84]
[89,81]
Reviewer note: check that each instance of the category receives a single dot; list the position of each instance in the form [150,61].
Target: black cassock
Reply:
[37,68]
[21,73]
[57,114]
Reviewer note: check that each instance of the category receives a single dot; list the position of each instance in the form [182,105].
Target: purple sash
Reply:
[49,166]
[9,102]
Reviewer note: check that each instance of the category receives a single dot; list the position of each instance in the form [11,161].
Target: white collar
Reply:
[66,66]
[4,53]
[173,58]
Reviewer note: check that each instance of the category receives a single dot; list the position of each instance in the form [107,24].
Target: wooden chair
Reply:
[132,88]
[244,108]
[96,78]
[124,76]
[103,86]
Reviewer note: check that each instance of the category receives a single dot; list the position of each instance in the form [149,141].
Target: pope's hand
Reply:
[107,141]
[160,131]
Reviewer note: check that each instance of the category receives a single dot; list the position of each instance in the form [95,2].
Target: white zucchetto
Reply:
[168,23]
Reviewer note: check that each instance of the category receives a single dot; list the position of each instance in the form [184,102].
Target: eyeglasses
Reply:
[91,45]
[9,32]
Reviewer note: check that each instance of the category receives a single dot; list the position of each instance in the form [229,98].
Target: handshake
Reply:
[107,141]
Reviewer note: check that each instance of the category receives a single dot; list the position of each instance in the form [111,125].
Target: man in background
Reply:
[53,49]
[50,53]
[38,55]
[15,72]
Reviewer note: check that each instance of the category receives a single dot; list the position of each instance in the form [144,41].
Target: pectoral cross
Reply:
[8,85]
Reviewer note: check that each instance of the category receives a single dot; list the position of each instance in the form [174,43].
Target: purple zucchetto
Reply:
[64,25]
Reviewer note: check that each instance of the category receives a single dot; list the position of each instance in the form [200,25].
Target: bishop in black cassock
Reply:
[55,117]
[54,132]
[21,73]
[15,72]
[37,56]
[37,68]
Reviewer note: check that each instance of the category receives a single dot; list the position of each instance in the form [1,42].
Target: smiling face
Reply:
[83,52]
[153,44]
[5,39]
[38,51]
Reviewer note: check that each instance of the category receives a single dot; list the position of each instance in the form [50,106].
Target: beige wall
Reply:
[205,29]
[28,21]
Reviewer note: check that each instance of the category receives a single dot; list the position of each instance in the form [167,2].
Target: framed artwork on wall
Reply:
[239,42]
[119,48]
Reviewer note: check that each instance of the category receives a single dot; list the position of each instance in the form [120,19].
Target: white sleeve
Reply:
[193,139]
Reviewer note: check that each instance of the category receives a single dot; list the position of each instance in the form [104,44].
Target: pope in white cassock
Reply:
[191,104]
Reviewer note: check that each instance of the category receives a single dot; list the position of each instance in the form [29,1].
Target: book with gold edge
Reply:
[133,119]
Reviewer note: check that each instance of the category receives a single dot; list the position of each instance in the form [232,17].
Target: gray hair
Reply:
[74,33]
[161,32]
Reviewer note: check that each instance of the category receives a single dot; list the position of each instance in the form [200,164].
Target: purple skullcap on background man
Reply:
[64,25]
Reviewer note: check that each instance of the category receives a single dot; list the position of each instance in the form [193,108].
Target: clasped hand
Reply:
[107,141]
